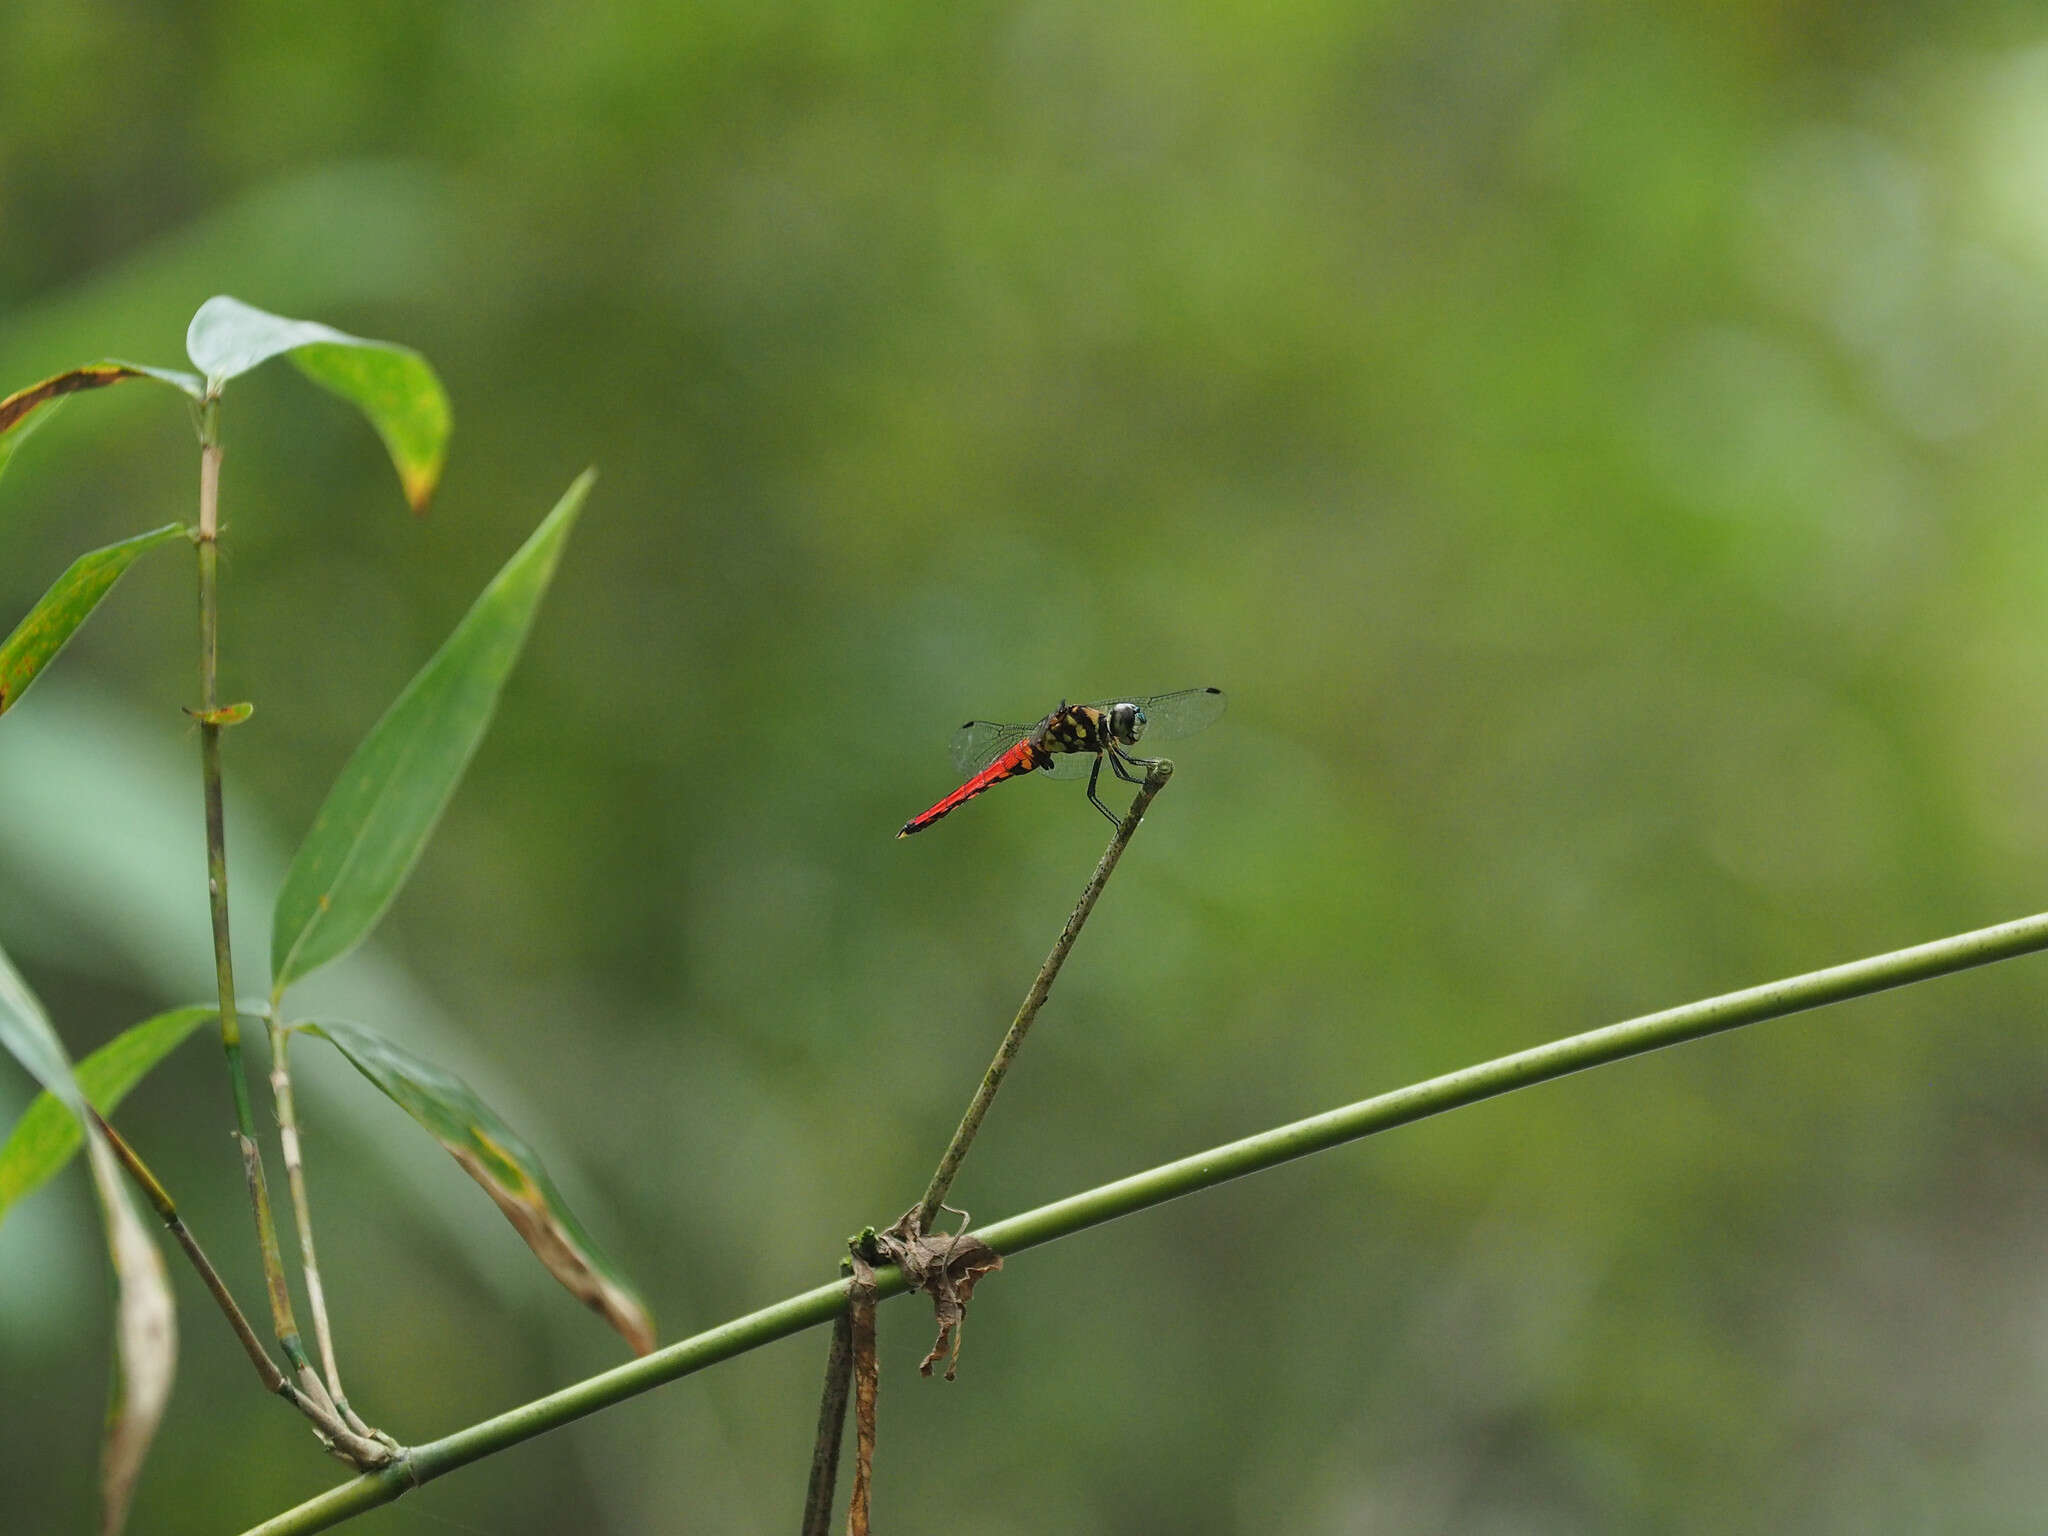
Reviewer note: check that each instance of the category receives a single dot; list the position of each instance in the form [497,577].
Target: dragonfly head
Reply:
[1126,723]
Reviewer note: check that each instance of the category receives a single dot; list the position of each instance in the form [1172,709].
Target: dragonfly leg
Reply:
[1094,799]
[1119,760]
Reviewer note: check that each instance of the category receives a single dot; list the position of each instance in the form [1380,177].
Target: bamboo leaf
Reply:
[397,390]
[25,1031]
[27,409]
[375,821]
[186,383]
[145,1329]
[47,1134]
[393,386]
[512,1174]
[145,1343]
[70,600]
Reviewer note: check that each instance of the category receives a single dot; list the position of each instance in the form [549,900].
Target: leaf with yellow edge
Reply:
[397,390]
[512,1174]
[26,409]
[226,714]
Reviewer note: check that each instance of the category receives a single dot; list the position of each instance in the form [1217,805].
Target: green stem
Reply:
[209,759]
[285,1325]
[1204,1170]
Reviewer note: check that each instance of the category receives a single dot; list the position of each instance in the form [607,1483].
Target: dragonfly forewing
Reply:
[1170,716]
[980,742]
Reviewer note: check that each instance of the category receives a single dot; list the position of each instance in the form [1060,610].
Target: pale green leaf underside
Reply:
[393,386]
[376,820]
[47,1135]
[177,378]
[227,338]
[26,1033]
[493,1154]
[70,600]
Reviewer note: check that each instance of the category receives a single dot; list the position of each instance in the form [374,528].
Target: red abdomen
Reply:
[1025,756]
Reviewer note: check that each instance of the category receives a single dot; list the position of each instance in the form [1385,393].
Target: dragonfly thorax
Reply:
[1077,728]
[1091,728]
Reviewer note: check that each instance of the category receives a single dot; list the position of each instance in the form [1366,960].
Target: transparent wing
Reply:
[1169,716]
[980,742]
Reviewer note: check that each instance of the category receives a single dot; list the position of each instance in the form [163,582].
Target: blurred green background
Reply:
[1600,450]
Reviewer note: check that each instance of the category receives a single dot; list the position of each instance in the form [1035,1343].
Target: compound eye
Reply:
[1131,719]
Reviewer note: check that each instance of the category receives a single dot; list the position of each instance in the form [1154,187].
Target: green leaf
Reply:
[73,596]
[47,1134]
[369,833]
[492,1153]
[393,386]
[26,409]
[25,1031]
[398,391]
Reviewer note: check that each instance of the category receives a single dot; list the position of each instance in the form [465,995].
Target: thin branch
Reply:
[1034,999]
[208,545]
[832,1400]
[302,1212]
[360,1450]
[831,1429]
[167,1211]
[1204,1170]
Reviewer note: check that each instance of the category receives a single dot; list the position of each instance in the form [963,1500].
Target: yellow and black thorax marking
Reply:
[1075,728]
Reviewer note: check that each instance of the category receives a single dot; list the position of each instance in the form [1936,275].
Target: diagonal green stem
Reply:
[1204,1170]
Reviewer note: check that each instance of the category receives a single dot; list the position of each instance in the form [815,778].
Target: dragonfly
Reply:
[1072,738]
